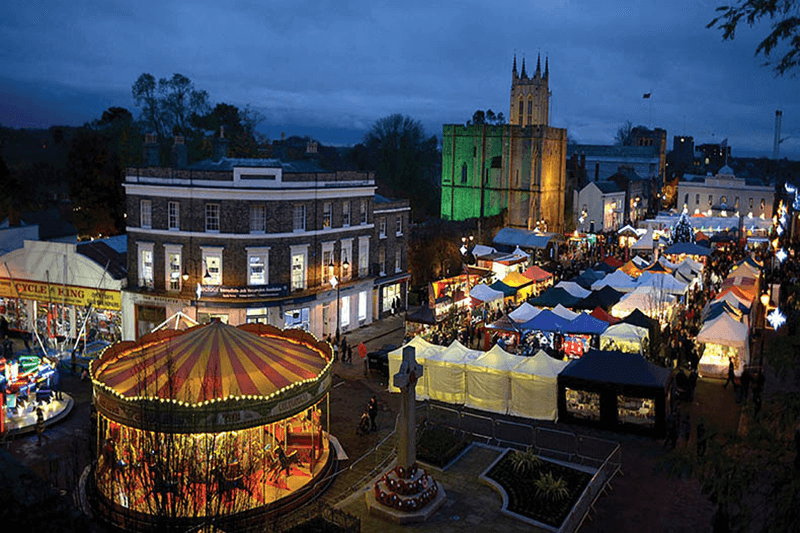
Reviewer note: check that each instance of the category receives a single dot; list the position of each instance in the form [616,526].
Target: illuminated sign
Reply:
[58,294]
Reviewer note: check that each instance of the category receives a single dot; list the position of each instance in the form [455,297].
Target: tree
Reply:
[624,135]
[784,34]
[406,161]
[683,230]
[487,117]
[239,126]
[167,106]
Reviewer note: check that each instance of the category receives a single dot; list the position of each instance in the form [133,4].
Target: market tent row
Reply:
[484,294]
[614,390]
[424,350]
[523,313]
[487,380]
[446,369]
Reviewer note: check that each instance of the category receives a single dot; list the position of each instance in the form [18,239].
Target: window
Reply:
[763,204]
[258,266]
[362,306]
[382,228]
[723,200]
[258,218]
[382,261]
[328,266]
[345,312]
[146,213]
[521,110]
[399,224]
[347,258]
[697,199]
[174,215]
[297,318]
[299,260]
[736,205]
[751,203]
[686,199]
[710,200]
[346,214]
[299,218]
[464,173]
[398,260]
[327,211]
[212,265]
[363,256]
[212,217]
[363,212]
[172,253]
[530,107]
[146,264]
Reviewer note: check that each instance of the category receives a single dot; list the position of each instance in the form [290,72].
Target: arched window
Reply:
[521,109]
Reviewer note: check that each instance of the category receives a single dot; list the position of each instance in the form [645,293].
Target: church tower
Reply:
[530,96]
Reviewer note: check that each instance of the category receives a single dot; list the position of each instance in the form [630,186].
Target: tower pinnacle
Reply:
[538,72]
[523,74]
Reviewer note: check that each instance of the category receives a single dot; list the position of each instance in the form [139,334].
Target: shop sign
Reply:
[66,294]
[249,291]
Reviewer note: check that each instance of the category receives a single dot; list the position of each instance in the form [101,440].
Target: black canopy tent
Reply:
[614,390]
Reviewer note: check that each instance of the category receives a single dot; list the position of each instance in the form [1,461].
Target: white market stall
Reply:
[664,282]
[534,387]
[625,338]
[523,313]
[574,289]
[446,371]
[424,350]
[485,294]
[649,300]
[723,337]
[617,280]
[565,313]
[487,382]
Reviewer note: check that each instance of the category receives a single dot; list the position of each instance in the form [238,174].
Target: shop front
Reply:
[392,295]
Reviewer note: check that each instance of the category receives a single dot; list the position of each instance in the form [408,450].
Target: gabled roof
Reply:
[607,187]
[525,238]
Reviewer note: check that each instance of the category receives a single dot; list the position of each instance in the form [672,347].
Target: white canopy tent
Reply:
[574,289]
[624,337]
[645,243]
[484,293]
[724,337]
[488,381]
[663,282]
[523,313]
[565,313]
[447,373]
[617,280]
[640,261]
[534,387]
[424,350]
[651,301]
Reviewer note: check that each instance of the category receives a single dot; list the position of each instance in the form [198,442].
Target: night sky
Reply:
[329,69]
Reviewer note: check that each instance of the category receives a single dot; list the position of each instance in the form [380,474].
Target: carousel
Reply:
[214,422]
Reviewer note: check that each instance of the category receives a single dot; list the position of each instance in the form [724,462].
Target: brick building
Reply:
[260,240]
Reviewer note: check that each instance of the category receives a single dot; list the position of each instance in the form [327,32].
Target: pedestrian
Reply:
[701,438]
[343,348]
[372,409]
[731,375]
[349,354]
[335,352]
[40,427]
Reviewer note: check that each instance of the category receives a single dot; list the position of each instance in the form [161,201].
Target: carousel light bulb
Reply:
[776,319]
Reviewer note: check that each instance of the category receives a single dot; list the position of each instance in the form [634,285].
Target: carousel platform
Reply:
[23,421]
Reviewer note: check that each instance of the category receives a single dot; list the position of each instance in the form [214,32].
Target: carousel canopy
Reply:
[554,296]
[485,293]
[688,248]
[523,313]
[605,298]
[537,274]
[586,324]
[574,289]
[544,321]
[208,362]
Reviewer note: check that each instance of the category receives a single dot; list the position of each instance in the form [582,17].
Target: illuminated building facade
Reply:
[519,167]
[725,195]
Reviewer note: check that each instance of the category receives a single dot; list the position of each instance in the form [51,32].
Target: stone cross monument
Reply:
[406,381]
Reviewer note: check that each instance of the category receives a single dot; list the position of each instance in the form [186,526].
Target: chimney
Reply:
[151,151]
[220,146]
[179,152]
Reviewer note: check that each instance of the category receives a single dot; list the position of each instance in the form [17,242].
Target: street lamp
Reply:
[198,290]
[336,283]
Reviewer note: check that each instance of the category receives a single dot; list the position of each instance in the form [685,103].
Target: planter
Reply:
[437,445]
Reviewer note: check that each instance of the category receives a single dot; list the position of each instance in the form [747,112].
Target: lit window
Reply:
[398,261]
[327,211]
[147,213]
[174,215]
[382,228]
[710,199]
[258,266]
[146,265]
[173,263]
[212,217]
[363,256]
[299,269]
[363,212]
[399,224]
[212,259]
[345,311]
[362,306]
[763,204]
[299,218]
[258,218]
[329,269]
[346,214]
[347,258]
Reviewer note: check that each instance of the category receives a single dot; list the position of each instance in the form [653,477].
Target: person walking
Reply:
[372,409]
[731,375]
[40,427]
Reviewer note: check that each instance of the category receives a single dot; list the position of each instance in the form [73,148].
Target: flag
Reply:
[646,95]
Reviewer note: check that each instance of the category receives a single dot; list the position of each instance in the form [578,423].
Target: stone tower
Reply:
[530,96]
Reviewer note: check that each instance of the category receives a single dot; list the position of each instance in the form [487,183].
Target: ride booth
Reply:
[614,390]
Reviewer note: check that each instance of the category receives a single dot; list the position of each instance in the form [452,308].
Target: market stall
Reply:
[212,423]
[626,338]
[423,350]
[653,302]
[723,338]
[524,285]
[574,289]
[534,387]
[553,297]
[605,298]
[541,278]
[614,390]
[589,276]
[523,313]
[488,381]
[581,333]
[617,280]
[447,373]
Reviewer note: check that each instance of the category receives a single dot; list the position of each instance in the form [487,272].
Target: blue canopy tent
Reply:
[586,324]
[588,276]
[688,248]
[554,296]
[545,321]
[615,390]
[604,298]
[505,289]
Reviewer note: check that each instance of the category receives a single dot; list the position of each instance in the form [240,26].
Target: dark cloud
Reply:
[334,67]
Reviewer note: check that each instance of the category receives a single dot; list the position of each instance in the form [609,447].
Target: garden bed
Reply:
[439,445]
[541,490]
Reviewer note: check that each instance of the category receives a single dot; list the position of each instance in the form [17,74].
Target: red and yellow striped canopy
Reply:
[208,362]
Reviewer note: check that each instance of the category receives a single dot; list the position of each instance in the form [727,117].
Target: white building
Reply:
[599,207]
[724,195]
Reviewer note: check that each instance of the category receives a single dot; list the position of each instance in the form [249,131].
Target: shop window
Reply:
[346,214]
[362,306]
[327,214]
[258,218]
[299,218]
[297,318]
[212,218]
[257,315]
[390,294]
[146,210]
[258,266]
[174,215]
